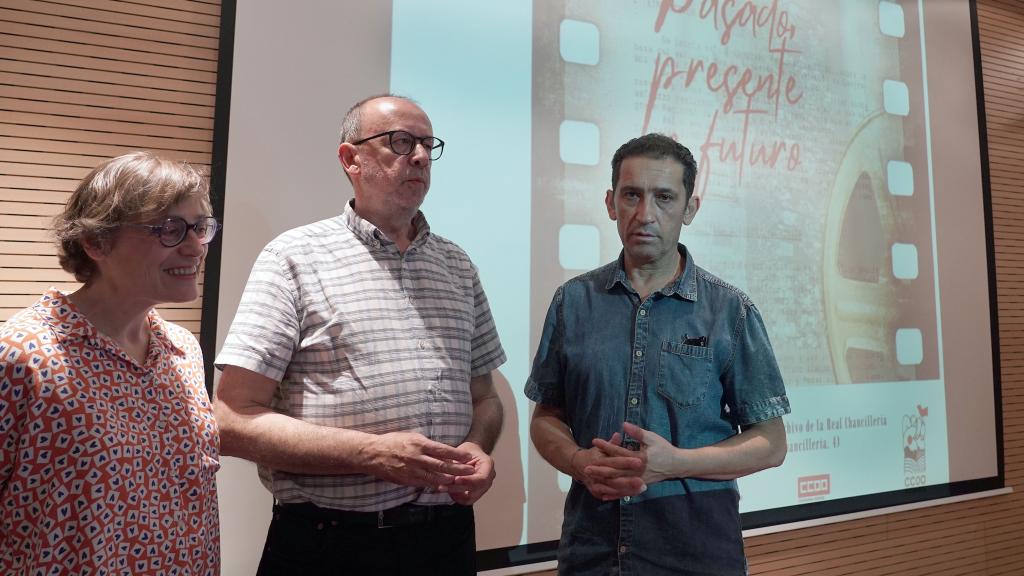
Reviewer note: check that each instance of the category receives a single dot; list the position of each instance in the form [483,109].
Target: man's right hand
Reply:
[608,470]
[412,459]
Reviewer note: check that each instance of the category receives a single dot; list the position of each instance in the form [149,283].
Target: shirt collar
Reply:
[56,310]
[685,285]
[370,235]
[158,329]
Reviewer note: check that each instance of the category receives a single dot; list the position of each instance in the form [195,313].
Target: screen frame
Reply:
[778,518]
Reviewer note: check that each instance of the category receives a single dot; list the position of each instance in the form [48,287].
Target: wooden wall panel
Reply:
[81,81]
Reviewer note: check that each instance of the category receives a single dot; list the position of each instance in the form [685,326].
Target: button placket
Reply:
[641,326]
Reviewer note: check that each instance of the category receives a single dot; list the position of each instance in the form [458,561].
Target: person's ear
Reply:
[609,203]
[691,209]
[348,155]
[97,246]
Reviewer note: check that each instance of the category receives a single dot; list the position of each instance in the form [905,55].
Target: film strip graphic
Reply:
[839,249]
[880,296]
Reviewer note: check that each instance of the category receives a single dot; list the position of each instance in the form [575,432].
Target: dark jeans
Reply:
[696,534]
[325,542]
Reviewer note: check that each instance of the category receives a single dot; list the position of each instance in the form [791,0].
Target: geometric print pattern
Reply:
[106,466]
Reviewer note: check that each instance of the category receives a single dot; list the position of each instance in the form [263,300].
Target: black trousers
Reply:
[307,540]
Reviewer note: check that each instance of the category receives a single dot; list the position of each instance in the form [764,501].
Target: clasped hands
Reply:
[611,471]
[465,472]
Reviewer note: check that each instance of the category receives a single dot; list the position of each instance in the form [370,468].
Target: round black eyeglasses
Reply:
[402,143]
[174,229]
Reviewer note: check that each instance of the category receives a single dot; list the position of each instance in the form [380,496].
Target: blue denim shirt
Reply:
[692,363]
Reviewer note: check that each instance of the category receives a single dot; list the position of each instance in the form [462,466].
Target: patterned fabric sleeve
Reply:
[194,380]
[13,374]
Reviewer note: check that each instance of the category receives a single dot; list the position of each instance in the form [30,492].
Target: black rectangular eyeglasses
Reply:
[402,143]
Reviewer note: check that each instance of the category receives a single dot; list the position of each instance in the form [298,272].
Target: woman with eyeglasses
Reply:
[108,446]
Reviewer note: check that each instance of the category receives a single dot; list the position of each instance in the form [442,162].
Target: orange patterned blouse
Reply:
[106,466]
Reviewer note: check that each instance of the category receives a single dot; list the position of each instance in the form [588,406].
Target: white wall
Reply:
[283,43]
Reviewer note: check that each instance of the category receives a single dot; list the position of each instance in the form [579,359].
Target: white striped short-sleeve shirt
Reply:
[366,338]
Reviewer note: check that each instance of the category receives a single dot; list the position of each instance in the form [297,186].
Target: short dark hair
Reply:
[657,146]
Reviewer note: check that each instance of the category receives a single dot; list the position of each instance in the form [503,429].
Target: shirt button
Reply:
[622,549]
[643,312]
[626,499]
[638,353]
[423,345]
[634,401]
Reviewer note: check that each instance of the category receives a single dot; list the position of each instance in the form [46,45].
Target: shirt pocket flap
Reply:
[684,373]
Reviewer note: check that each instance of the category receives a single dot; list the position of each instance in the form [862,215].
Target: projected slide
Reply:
[813,172]
[842,188]
[810,127]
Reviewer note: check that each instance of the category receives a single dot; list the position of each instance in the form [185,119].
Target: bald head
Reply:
[352,124]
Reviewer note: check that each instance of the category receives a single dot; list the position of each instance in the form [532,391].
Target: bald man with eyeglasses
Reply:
[357,372]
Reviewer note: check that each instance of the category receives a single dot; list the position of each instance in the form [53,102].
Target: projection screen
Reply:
[843,187]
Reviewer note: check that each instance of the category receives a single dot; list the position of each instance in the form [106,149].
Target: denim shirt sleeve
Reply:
[546,384]
[752,380]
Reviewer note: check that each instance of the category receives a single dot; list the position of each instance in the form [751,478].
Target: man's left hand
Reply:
[468,489]
[661,457]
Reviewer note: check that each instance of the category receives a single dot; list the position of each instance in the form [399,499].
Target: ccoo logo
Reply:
[914,464]
[813,486]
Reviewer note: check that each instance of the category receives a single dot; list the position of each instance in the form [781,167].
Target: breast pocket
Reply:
[684,373]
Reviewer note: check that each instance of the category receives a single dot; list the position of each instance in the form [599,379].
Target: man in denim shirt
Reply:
[647,370]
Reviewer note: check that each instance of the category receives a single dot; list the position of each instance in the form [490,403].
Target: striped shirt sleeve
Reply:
[487,351]
[264,334]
